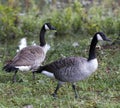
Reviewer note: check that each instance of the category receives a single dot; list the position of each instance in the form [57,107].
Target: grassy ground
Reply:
[101,90]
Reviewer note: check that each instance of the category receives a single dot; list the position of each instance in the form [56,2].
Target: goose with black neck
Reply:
[73,69]
[30,57]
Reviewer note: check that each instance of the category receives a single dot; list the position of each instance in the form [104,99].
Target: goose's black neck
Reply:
[92,54]
[42,37]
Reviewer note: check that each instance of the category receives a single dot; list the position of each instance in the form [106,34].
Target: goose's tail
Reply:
[44,70]
[39,70]
[9,68]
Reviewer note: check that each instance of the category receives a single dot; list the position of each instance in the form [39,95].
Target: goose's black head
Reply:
[101,36]
[48,26]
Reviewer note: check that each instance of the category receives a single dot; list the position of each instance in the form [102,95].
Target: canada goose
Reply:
[31,57]
[73,69]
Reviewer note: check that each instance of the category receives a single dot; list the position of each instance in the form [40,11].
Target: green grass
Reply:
[100,90]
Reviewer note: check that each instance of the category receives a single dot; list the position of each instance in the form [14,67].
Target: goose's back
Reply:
[29,56]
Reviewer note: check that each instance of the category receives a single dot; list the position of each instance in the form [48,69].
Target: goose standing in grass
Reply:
[73,69]
[30,57]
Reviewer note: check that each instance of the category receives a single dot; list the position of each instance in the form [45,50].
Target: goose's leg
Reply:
[57,88]
[75,91]
[14,77]
[33,75]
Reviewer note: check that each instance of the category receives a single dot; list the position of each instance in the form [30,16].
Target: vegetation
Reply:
[75,23]
[75,18]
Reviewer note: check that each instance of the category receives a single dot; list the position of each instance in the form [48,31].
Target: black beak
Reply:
[107,40]
[53,28]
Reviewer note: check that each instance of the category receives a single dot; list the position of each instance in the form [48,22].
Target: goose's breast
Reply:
[92,65]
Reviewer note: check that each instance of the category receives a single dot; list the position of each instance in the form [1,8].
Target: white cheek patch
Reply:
[99,37]
[23,68]
[46,27]
[49,74]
